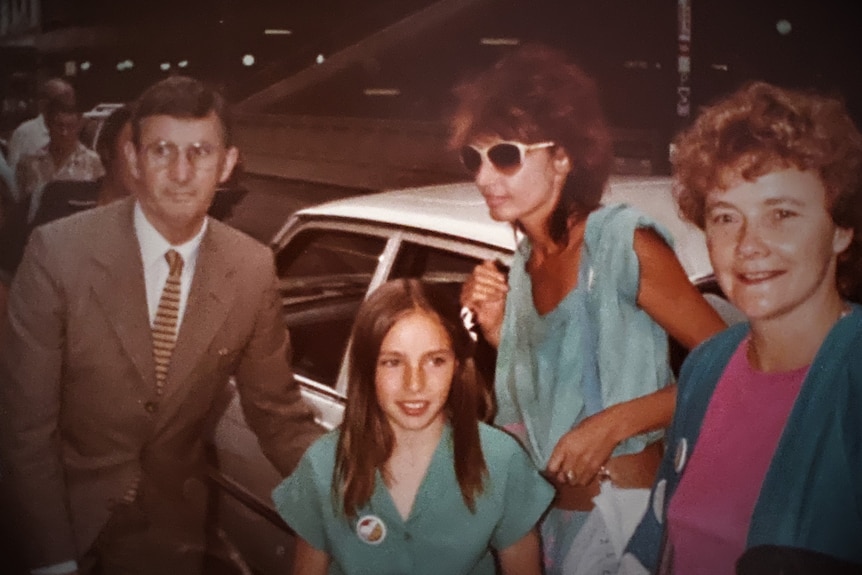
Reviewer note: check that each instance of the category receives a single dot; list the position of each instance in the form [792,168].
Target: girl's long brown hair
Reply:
[366,440]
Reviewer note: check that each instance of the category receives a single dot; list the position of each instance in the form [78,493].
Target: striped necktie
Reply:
[165,324]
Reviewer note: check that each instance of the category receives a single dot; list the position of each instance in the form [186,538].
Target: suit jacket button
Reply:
[151,406]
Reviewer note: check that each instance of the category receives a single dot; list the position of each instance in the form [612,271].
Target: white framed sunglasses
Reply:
[505,156]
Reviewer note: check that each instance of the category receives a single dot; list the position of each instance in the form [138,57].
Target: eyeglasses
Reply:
[505,156]
[201,155]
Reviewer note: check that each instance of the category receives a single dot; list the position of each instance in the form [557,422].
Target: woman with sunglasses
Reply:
[581,321]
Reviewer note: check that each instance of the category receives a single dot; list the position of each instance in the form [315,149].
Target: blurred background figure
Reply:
[765,445]
[64,157]
[64,197]
[32,135]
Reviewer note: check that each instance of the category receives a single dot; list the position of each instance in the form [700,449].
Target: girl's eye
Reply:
[719,218]
[439,360]
[390,362]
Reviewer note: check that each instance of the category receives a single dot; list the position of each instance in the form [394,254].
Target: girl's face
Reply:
[527,192]
[414,373]
[773,244]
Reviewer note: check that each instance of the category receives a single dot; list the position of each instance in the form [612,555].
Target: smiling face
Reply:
[774,246]
[414,373]
[525,194]
[176,184]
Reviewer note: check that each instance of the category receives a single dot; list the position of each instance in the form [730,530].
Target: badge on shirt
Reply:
[681,454]
[371,529]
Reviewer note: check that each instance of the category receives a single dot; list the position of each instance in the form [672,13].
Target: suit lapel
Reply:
[120,288]
[210,299]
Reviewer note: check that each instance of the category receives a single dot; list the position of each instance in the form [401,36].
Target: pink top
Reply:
[710,512]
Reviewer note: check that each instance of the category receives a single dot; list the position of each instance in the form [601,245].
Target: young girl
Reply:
[412,482]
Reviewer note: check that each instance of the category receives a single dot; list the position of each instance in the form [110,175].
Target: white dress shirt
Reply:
[29,137]
[153,249]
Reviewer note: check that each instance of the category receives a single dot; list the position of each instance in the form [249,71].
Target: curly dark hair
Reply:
[534,94]
[763,128]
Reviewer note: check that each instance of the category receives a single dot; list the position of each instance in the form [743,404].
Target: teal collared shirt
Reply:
[441,535]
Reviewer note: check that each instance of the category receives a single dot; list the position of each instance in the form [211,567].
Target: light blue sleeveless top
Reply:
[544,362]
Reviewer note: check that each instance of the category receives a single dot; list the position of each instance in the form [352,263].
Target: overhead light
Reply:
[85,65]
[635,64]
[125,65]
[319,59]
[784,27]
[277,32]
[719,67]
[382,92]
[248,60]
[183,63]
[165,66]
[500,41]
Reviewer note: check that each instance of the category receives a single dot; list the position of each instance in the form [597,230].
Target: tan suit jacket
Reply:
[79,414]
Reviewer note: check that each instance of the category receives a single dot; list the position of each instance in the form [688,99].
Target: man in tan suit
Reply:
[109,383]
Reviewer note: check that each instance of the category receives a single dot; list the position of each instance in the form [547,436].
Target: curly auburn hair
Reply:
[762,128]
[536,94]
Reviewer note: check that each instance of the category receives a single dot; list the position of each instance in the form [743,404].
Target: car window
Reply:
[323,276]
[433,264]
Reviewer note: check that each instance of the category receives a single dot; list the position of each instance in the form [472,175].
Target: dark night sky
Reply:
[823,50]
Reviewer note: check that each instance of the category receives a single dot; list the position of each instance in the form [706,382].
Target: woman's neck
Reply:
[543,246]
[791,342]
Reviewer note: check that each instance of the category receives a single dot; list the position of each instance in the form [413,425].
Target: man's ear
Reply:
[230,159]
[132,159]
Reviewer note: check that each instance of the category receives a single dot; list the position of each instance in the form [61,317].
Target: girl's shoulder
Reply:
[320,455]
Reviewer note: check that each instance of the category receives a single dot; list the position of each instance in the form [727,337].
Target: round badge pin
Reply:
[680,455]
[371,529]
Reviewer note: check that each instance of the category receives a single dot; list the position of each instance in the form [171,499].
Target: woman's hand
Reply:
[484,293]
[581,453]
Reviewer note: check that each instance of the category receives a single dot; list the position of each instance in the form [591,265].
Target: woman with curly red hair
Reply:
[764,460]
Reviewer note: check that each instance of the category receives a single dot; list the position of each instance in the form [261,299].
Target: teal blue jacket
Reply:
[811,497]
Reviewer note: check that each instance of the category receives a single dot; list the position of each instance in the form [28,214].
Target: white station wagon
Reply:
[328,258]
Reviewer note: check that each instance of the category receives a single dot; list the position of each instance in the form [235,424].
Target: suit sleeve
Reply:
[270,398]
[31,354]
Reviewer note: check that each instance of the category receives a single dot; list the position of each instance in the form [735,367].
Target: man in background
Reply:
[32,135]
[64,157]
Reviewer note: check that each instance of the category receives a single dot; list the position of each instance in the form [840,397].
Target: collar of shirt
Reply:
[153,248]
